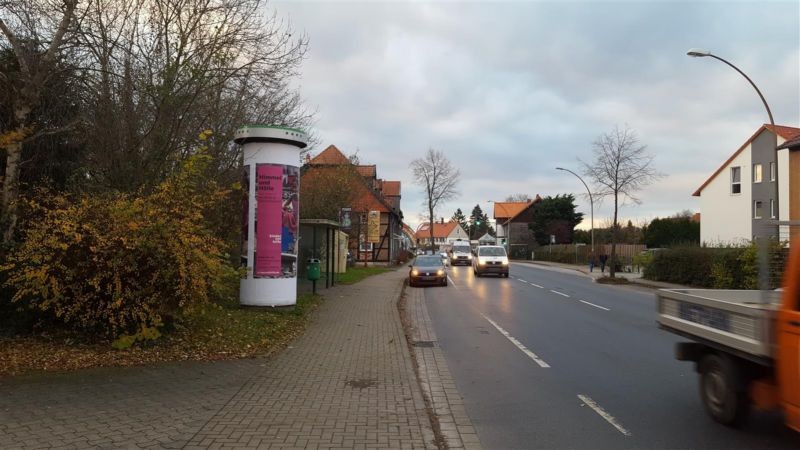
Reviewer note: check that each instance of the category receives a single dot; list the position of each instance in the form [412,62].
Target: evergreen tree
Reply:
[478,223]
[460,218]
[555,216]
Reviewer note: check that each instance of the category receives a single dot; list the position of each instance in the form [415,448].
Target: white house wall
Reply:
[725,217]
[457,233]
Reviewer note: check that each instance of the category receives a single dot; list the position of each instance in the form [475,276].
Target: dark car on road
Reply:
[427,270]
[490,259]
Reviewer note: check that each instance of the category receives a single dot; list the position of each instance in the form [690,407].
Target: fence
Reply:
[579,253]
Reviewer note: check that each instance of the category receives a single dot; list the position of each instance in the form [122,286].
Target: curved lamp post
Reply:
[698,53]
[763,251]
[591,200]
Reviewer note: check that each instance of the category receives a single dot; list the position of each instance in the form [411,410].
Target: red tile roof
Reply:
[330,156]
[391,188]
[367,171]
[785,132]
[506,210]
[440,230]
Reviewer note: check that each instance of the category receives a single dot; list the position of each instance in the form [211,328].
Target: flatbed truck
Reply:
[745,345]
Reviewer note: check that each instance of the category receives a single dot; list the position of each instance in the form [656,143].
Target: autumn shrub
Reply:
[119,264]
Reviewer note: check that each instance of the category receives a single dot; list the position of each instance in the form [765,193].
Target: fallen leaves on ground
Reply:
[225,332]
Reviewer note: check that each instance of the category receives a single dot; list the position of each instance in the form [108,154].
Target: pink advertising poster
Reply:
[269,193]
[277,220]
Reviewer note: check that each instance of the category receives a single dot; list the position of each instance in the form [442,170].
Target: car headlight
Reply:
[415,272]
[469,256]
[505,261]
[481,262]
[440,272]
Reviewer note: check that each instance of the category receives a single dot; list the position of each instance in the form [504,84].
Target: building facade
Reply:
[738,201]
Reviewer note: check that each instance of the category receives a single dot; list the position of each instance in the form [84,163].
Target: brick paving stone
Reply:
[347,382]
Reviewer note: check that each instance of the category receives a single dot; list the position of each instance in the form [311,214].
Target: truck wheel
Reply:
[722,389]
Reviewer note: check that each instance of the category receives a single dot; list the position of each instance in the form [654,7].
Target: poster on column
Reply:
[277,216]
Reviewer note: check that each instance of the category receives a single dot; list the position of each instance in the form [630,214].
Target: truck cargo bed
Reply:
[733,319]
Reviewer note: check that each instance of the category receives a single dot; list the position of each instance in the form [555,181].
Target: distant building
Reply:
[487,239]
[444,233]
[512,224]
[372,194]
[739,197]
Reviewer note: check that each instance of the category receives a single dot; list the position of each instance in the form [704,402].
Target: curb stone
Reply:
[451,422]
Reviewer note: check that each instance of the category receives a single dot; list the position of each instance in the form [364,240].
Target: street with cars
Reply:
[547,356]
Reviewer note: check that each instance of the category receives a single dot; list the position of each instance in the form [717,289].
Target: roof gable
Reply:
[391,188]
[785,132]
[505,210]
[330,156]
[440,230]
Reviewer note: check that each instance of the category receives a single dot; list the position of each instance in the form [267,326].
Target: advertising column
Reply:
[271,213]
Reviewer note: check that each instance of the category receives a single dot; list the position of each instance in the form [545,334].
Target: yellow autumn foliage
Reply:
[119,263]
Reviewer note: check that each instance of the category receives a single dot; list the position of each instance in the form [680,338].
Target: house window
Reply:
[757,209]
[772,171]
[736,180]
[757,175]
[772,208]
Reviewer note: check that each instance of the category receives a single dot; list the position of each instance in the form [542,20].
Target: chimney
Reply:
[441,219]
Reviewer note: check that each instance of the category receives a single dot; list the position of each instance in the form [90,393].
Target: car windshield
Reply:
[428,261]
[492,251]
[461,248]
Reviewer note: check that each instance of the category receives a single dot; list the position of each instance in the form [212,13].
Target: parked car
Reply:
[427,269]
[490,259]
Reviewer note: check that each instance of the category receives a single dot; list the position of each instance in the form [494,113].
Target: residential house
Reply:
[444,233]
[512,225]
[738,199]
[371,194]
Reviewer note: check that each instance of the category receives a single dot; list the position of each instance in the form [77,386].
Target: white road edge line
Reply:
[520,279]
[559,293]
[451,280]
[534,284]
[608,417]
[596,306]
[519,344]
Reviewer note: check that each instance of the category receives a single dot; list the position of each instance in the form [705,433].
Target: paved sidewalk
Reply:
[348,382]
[633,277]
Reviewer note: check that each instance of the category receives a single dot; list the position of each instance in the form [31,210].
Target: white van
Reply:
[461,253]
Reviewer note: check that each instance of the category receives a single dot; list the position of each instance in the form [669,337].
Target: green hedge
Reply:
[719,268]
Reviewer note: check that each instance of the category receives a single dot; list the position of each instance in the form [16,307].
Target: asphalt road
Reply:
[548,359]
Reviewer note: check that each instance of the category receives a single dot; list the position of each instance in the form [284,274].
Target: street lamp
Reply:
[763,252]
[700,53]
[591,200]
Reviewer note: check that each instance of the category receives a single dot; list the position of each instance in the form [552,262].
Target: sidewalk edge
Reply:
[449,419]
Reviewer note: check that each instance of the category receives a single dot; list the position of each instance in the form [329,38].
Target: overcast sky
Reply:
[511,90]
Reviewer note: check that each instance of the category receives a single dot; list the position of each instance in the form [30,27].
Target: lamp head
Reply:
[698,52]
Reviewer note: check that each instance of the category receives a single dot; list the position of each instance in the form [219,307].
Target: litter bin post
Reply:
[313,273]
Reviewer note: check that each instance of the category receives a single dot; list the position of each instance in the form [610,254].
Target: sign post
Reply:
[271,213]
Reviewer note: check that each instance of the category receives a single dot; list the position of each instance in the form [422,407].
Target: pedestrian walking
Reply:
[591,261]
[603,259]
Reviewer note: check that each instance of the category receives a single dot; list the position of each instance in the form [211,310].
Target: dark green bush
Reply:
[719,268]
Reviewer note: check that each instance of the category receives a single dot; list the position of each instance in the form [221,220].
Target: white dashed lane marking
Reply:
[608,417]
[596,306]
[559,293]
[518,344]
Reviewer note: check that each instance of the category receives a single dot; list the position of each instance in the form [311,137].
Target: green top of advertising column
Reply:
[271,133]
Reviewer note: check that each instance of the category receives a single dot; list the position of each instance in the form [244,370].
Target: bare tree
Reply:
[621,168]
[519,198]
[36,31]
[438,177]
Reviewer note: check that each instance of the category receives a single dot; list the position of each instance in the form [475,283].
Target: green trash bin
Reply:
[313,269]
